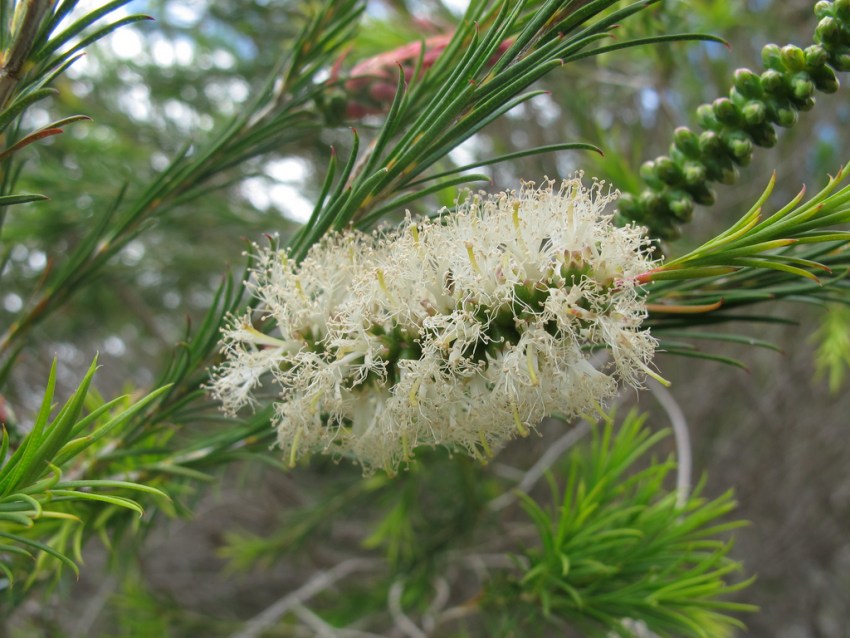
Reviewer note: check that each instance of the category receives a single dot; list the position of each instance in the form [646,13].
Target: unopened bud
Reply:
[824,79]
[764,135]
[686,141]
[748,83]
[823,9]
[681,205]
[726,112]
[706,117]
[694,174]
[802,86]
[816,56]
[793,58]
[754,112]
[828,31]
[667,170]
[773,82]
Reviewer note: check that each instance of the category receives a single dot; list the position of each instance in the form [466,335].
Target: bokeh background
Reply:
[774,433]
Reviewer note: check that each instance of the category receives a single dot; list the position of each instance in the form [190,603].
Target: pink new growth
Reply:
[372,82]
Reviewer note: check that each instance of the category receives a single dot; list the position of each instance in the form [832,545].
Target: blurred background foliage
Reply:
[151,87]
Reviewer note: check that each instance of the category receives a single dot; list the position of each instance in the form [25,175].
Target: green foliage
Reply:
[138,612]
[33,57]
[463,92]
[37,500]
[757,244]
[280,114]
[755,261]
[415,518]
[298,527]
[833,346]
[618,544]
[433,507]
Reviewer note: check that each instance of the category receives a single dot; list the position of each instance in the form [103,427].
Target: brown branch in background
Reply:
[317,584]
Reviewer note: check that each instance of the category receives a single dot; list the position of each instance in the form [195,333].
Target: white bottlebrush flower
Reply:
[297,302]
[462,331]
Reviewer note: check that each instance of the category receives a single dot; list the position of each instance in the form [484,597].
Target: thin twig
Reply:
[323,629]
[683,439]
[552,454]
[320,582]
[402,621]
[94,607]
[638,628]
[457,612]
[442,593]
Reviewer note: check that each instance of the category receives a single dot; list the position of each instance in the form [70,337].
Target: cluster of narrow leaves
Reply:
[37,48]
[733,126]
[617,544]
[833,353]
[38,498]
[462,92]
[53,475]
[799,253]
[280,114]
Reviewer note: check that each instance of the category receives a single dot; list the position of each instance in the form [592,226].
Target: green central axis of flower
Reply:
[502,325]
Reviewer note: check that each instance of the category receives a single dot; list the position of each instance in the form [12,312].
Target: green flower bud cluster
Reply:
[732,126]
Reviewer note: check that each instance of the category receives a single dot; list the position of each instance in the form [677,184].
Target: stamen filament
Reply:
[293,451]
[472,259]
[484,445]
[530,361]
[413,392]
[261,339]
[651,373]
[383,283]
[520,426]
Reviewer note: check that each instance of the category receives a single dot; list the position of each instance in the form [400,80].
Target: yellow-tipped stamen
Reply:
[477,455]
[381,281]
[675,309]
[602,413]
[516,215]
[472,259]
[590,418]
[484,445]
[520,426]
[293,452]
[405,448]
[383,284]
[262,339]
[411,396]
[651,373]
[415,232]
[343,351]
[529,361]
[315,402]
[299,289]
